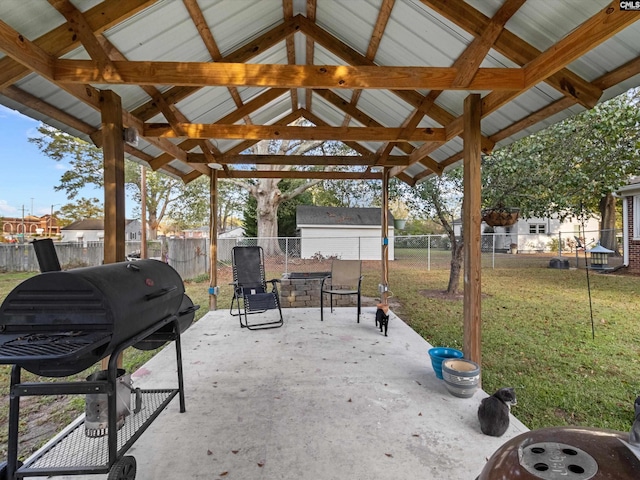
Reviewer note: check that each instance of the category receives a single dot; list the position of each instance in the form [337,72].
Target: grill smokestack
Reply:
[46,255]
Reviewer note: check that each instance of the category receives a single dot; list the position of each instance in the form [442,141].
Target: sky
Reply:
[27,176]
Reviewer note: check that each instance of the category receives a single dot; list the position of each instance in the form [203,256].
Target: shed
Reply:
[345,233]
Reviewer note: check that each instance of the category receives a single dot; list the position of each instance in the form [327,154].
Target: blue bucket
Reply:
[439,354]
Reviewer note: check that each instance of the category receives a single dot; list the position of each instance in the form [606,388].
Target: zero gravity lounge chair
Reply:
[250,293]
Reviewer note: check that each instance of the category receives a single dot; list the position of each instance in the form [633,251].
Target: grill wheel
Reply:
[123,469]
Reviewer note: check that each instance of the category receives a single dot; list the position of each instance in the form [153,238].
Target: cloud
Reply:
[7,210]
[6,112]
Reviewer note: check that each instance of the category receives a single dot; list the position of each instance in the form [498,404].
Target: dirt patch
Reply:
[443,295]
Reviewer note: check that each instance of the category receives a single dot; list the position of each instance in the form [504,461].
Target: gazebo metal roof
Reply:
[202,80]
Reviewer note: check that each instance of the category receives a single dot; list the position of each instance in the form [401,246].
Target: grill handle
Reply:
[160,293]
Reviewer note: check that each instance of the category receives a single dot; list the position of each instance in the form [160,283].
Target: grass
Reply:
[536,337]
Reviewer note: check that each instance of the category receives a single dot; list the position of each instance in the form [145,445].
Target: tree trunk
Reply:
[153,225]
[456,264]
[608,222]
[268,198]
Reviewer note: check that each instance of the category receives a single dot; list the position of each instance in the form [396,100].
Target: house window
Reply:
[537,228]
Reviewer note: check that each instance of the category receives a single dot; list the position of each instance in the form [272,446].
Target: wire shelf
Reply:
[76,451]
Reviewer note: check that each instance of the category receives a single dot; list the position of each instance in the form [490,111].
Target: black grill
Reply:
[60,323]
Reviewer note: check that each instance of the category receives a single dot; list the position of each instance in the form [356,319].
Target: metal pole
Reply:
[143,210]
[559,244]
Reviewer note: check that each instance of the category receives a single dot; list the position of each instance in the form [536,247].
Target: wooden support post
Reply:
[213,240]
[384,229]
[114,193]
[471,228]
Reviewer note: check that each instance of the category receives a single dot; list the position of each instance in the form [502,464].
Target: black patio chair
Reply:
[345,279]
[250,293]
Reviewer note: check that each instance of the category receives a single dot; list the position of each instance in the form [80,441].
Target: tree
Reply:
[441,197]
[585,158]
[87,169]
[81,209]
[286,212]
[267,192]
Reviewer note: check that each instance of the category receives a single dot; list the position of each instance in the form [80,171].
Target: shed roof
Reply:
[339,216]
[202,80]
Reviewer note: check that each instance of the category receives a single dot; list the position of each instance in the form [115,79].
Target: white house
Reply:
[344,233]
[537,234]
[92,230]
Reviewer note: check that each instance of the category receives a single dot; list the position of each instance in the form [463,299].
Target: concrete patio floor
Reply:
[311,400]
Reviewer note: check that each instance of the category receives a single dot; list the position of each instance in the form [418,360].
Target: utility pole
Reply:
[22,224]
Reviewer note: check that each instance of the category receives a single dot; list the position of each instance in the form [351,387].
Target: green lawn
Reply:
[536,337]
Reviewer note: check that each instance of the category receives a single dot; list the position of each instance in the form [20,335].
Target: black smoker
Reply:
[59,323]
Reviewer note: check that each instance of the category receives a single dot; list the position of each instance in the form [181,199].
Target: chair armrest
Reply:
[274,281]
[323,280]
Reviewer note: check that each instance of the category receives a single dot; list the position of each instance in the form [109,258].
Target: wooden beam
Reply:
[25,52]
[262,132]
[207,37]
[78,23]
[114,191]
[471,222]
[290,76]
[242,54]
[303,174]
[334,160]
[586,37]
[61,40]
[287,9]
[620,74]
[516,49]
[310,48]
[319,122]
[353,57]
[474,54]
[33,102]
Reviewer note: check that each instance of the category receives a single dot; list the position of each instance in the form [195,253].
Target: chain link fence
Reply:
[191,257]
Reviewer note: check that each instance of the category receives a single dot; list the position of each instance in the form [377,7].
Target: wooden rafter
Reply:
[287,8]
[289,76]
[376,36]
[587,36]
[242,54]
[516,49]
[108,66]
[207,37]
[310,49]
[304,174]
[467,64]
[336,160]
[268,132]
[61,40]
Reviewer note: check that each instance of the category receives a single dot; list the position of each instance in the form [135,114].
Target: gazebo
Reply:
[412,86]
